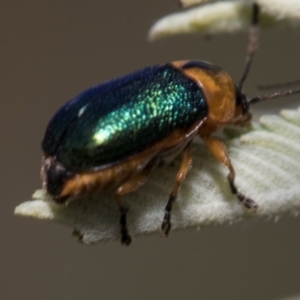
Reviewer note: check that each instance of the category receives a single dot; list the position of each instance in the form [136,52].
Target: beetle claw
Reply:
[126,239]
[166,224]
[248,202]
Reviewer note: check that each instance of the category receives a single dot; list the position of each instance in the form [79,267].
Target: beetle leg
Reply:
[127,187]
[219,151]
[184,169]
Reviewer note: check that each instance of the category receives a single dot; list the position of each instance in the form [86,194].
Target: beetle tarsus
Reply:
[125,236]
[248,203]
[166,224]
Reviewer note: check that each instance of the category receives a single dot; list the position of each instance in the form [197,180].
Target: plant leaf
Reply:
[266,159]
[227,17]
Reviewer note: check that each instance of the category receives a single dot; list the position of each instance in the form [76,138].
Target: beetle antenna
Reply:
[252,44]
[278,85]
[273,96]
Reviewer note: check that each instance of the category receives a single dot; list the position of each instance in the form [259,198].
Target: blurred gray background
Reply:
[52,50]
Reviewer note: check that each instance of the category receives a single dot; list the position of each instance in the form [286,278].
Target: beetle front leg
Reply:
[219,151]
[184,169]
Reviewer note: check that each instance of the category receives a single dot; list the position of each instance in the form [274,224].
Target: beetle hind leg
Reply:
[184,169]
[125,236]
[218,150]
[127,187]
[123,208]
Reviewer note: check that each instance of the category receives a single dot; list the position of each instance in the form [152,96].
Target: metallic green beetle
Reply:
[115,133]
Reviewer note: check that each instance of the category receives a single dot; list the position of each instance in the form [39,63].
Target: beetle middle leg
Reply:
[184,169]
[219,151]
[127,187]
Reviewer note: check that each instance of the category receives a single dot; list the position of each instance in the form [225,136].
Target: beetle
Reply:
[116,133]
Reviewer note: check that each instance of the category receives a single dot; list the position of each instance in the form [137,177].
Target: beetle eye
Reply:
[241,101]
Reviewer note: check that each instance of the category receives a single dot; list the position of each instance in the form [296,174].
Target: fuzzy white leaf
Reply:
[266,159]
[228,17]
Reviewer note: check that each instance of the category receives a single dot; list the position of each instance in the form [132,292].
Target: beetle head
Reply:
[242,114]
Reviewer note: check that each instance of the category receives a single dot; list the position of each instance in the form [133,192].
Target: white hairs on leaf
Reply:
[266,159]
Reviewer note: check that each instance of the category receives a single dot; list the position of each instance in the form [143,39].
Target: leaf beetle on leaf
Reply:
[116,133]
